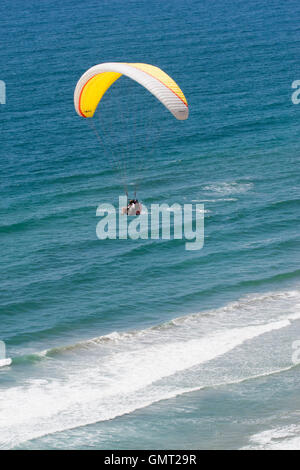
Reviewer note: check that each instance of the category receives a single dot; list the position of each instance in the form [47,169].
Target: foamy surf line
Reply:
[5,362]
[121,383]
[252,301]
[165,396]
[283,438]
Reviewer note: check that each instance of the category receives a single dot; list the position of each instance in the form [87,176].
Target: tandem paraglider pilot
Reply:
[134,207]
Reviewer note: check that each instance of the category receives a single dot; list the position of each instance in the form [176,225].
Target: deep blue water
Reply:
[141,343]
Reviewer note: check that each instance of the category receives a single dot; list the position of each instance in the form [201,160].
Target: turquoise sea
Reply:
[140,344]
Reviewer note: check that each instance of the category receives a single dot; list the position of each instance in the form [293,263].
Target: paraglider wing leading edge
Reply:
[95,82]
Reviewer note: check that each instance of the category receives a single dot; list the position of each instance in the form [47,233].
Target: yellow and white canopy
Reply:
[95,82]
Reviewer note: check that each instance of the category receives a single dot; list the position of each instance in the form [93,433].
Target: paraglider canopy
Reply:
[125,126]
[95,82]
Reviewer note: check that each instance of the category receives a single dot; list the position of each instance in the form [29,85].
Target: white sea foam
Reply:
[226,188]
[5,362]
[284,438]
[225,199]
[114,381]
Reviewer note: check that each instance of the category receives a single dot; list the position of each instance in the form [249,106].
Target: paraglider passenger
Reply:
[133,208]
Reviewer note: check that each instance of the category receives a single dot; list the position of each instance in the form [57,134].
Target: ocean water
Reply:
[121,344]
